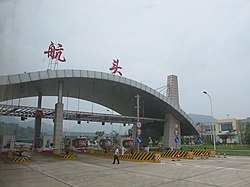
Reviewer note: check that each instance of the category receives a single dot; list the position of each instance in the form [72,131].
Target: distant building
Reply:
[244,123]
[228,130]
[231,130]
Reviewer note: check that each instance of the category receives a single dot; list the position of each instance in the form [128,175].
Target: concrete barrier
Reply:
[19,160]
[10,158]
[67,157]
[174,154]
[136,156]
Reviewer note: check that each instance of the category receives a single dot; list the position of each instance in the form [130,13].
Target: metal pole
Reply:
[213,124]
[138,114]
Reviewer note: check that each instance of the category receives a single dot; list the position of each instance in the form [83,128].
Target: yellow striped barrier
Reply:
[139,157]
[55,154]
[136,156]
[174,154]
[151,156]
[198,153]
[67,157]
[10,158]
[19,160]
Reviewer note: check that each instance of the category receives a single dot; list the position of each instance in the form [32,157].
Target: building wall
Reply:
[244,123]
[235,129]
[228,127]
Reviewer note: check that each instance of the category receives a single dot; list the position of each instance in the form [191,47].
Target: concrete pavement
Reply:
[94,171]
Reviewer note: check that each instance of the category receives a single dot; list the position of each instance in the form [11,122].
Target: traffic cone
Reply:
[218,155]
[202,156]
[207,156]
[178,158]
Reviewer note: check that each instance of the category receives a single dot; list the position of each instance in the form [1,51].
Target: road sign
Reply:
[139,132]
[176,132]
[199,129]
[201,141]
[139,139]
[176,139]
[138,124]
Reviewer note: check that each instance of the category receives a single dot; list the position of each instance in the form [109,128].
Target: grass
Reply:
[230,149]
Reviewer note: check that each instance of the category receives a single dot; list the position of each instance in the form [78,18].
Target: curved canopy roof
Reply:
[115,92]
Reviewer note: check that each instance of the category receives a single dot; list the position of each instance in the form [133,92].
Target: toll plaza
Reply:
[160,115]
[98,171]
[70,161]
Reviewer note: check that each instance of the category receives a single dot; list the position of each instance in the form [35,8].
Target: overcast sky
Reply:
[206,43]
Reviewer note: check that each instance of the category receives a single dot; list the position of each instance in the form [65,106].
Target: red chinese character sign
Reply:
[54,54]
[115,68]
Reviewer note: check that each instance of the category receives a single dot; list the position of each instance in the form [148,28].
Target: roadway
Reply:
[94,171]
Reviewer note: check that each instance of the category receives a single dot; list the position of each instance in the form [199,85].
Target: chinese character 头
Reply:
[115,68]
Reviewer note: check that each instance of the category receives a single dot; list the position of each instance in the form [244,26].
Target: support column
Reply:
[58,124]
[58,119]
[171,130]
[172,89]
[134,128]
[38,122]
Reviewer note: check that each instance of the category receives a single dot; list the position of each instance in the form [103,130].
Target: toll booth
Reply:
[106,144]
[127,144]
[77,143]
[7,141]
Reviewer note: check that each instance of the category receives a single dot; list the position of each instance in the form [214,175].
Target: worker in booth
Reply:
[116,156]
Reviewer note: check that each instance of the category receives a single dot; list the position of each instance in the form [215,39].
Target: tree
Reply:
[130,131]
[224,138]
[116,138]
[247,134]
[230,134]
[98,134]
[185,140]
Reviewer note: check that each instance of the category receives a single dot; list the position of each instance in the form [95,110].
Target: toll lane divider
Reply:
[149,156]
[54,153]
[8,157]
[136,156]
[198,153]
[66,157]
[139,157]
[174,154]
[17,160]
